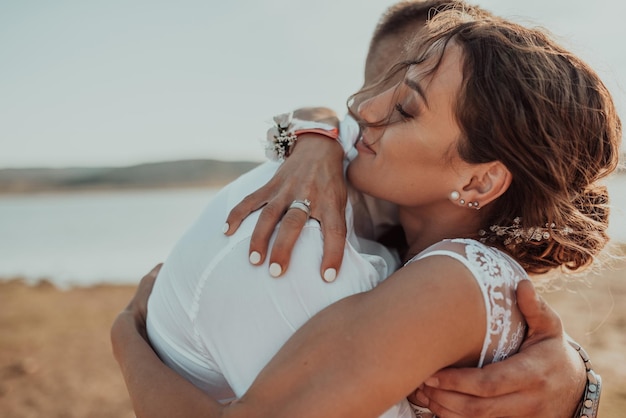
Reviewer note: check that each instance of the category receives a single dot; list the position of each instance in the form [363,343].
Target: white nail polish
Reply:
[275,269]
[255,257]
[330,275]
[225,228]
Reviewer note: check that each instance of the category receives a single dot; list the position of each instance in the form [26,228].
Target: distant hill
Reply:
[186,173]
[167,174]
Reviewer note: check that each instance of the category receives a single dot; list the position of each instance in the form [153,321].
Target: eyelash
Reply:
[403,112]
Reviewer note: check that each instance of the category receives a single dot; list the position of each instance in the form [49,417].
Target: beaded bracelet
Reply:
[282,137]
[588,407]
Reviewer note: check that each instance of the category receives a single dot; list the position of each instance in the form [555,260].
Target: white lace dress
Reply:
[497,274]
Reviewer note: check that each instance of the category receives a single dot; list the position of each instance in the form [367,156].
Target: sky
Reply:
[121,82]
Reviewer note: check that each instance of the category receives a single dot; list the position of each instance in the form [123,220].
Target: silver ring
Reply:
[303,205]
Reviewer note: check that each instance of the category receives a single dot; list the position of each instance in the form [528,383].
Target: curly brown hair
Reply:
[546,115]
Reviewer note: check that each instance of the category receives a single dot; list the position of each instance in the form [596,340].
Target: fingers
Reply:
[270,216]
[147,282]
[249,204]
[455,405]
[542,320]
[152,275]
[470,392]
[487,388]
[492,380]
[138,305]
[334,231]
[435,401]
[290,228]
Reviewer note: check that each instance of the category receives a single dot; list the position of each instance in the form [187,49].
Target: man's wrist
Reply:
[590,401]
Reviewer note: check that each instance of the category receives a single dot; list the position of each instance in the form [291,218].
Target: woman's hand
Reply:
[314,171]
[546,378]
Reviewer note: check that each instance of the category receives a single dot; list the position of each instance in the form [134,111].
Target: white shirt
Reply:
[217,320]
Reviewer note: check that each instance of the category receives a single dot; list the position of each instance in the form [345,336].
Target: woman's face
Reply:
[412,161]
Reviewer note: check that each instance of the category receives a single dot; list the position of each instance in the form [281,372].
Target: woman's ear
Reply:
[489,181]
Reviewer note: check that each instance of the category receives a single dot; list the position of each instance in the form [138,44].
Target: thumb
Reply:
[543,321]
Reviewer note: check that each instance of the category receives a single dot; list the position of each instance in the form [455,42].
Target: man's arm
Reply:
[155,389]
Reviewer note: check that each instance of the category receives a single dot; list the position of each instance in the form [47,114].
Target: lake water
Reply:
[116,237]
[93,237]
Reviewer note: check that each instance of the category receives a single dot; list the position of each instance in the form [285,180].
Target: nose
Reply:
[378,107]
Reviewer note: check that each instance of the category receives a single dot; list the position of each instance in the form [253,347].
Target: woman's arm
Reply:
[356,358]
[367,352]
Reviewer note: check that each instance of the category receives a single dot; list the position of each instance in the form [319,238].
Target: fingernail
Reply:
[275,269]
[225,228]
[330,275]
[433,382]
[255,257]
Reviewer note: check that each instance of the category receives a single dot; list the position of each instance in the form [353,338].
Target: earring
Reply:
[473,205]
[454,195]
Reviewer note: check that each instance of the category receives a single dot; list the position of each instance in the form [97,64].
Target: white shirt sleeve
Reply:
[349,132]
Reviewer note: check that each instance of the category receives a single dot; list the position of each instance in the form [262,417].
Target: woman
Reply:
[495,136]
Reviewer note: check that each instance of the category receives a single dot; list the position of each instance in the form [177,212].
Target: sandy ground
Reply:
[55,356]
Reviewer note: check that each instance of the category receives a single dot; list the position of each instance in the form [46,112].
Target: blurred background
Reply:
[120,119]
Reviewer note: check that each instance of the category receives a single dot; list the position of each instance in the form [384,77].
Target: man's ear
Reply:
[488,182]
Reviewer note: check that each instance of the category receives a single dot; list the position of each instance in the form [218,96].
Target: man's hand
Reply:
[155,390]
[137,308]
[545,379]
[314,171]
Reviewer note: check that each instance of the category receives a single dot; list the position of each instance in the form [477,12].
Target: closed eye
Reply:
[403,112]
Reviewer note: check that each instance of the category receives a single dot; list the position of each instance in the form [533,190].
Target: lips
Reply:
[362,146]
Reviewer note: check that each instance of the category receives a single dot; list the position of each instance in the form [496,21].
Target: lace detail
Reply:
[497,274]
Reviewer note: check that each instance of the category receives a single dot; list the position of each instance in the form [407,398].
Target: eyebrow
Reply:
[415,86]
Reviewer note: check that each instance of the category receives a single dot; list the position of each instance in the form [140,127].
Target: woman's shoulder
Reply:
[482,260]
[497,275]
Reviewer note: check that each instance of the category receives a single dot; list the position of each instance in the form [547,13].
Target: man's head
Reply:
[400,24]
